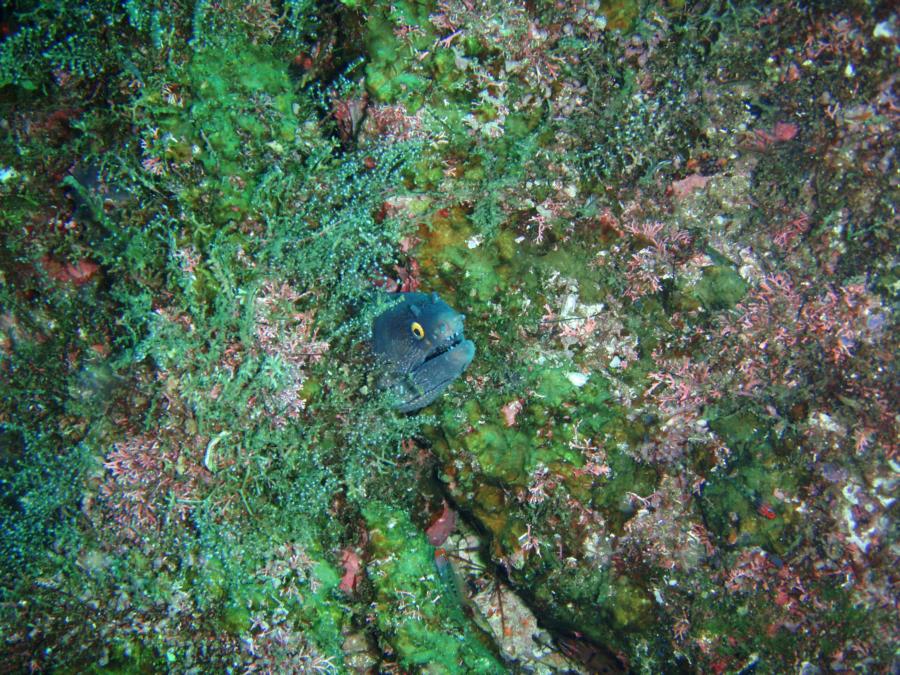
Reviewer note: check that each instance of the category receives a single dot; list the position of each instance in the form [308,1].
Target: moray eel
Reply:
[420,343]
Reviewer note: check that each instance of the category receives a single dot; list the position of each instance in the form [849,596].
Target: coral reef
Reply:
[671,227]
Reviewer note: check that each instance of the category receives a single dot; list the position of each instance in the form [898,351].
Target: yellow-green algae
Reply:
[415,614]
[218,123]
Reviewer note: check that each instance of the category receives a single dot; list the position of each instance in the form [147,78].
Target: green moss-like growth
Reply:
[510,452]
[719,287]
[739,505]
[668,224]
[425,630]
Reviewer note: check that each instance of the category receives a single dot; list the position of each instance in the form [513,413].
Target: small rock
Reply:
[576,378]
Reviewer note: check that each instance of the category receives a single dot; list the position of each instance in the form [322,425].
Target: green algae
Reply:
[739,505]
[719,287]
[217,119]
[511,452]
[255,184]
[507,456]
[423,631]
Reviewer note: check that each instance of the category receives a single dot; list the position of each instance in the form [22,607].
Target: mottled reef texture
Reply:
[671,227]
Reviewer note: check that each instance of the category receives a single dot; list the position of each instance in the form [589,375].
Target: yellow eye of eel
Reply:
[417,330]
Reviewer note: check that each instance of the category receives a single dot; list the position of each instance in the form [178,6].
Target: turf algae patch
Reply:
[391,74]
[620,15]
[417,620]
[747,506]
[718,287]
[514,480]
[233,100]
[668,223]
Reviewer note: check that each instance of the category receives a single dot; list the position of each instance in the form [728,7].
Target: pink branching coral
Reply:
[292,337]
[147,480]
[679,392]
[661,251]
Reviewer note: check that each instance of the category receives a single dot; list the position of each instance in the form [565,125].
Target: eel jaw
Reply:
[447,345]
[437,372]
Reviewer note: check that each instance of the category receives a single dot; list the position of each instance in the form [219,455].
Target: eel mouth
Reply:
[448,345]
